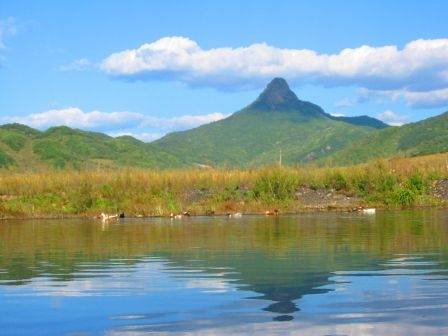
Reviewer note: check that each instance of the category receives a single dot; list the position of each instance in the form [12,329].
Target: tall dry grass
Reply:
[390,183]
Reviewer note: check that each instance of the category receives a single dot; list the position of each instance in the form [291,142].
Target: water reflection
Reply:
[320,274]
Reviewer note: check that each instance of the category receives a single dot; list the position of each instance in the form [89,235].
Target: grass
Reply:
[401,182]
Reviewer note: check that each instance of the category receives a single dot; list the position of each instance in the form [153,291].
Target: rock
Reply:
[440,189]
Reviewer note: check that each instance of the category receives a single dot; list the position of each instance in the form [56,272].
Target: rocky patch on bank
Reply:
[310,198]
[440,189]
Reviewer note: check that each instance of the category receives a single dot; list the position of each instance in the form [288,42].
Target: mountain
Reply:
[424,137]
[24,148]
[276,121]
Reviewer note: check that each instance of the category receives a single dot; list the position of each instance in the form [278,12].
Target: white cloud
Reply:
[415,99]
[338,114]
[393,119]
[77,65]
[421,65]
[75,117]
[185,121]
[146,128]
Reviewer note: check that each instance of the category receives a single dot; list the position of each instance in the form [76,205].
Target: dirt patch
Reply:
[326,199]
[440,189]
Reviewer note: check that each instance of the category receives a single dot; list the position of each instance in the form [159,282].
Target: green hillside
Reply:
[276,121]
[276,124]
[424,137]
[24,148]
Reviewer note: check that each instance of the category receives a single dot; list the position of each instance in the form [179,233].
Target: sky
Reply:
[146,68]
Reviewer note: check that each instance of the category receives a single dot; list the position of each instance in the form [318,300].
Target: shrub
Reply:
[276,185]
[336,181]
[362,186]
[416,182]
[404,196]
[387,183]
[5,159]
[14,141]
[82,198]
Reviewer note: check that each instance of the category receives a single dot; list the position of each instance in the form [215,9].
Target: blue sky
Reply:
[148,68]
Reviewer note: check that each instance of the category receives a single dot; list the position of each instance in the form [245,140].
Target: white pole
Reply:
[280,158]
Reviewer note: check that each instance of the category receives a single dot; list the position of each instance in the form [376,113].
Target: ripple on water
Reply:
[315,274]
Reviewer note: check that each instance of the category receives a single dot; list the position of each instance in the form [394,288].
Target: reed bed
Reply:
[400,182]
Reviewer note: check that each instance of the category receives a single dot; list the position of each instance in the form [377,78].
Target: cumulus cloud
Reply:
[77,65]
[146,128]
[421,65]
[185,121]
[415,99]
[75,117]
[336,114]
[393,119]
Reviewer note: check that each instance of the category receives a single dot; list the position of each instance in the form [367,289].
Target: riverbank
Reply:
[395,183]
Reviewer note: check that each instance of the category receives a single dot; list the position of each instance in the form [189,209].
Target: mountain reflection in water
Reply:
[309,274]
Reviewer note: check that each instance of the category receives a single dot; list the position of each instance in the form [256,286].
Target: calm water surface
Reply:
[315,274]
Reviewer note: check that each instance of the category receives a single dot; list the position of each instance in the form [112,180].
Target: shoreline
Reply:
[226,215]
[386,184]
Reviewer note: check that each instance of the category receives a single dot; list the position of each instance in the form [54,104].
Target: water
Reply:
[314,274]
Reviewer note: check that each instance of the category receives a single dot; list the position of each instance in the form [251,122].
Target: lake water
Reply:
[312,274]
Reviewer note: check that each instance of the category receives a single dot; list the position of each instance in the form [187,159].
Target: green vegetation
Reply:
[275,185]
[5,159]
[22,148]
[14,140]
[276,121]
[421,138]
[392,183]
[251,139]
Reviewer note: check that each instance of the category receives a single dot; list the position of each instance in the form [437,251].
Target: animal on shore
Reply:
[106,217]
[369,211]
[271,213]
[181,215]
[234,215]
